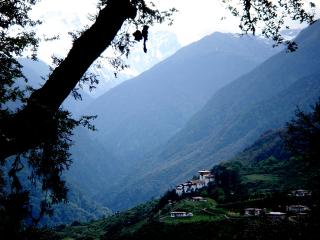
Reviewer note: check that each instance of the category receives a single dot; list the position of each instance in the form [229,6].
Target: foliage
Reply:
[227,186]
[206,228]
[40,134]
[133,30]
[302,136]
[113,225]
[227,229]
[260,177]
[169,196]
[283,160]
[46,164]
[271,16]
[50,158]
[15,38]
[16,35]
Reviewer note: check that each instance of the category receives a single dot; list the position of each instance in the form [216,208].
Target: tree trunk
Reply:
[28,127]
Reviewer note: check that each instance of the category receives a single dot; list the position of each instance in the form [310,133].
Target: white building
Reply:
[301,193]
[187,187]
[180,214]
[253,211]
[297,209]
[205,177]
[276,215]
[199,199]
[179,189]
[203,173]
[198,184]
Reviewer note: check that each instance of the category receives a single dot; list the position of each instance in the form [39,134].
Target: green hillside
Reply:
[262,176]
[210,220]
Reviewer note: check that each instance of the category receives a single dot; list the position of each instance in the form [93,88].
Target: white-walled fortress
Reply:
[205,177]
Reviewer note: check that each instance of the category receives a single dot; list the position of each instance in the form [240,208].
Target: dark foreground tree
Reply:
[37,135]
[33,124]
[302,137]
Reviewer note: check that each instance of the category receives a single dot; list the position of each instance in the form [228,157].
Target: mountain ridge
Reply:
[164,97]
[235,116]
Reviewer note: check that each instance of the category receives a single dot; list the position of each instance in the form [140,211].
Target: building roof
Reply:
[276,213]
[197,181]
[300,206]
[197,197]
[187,184]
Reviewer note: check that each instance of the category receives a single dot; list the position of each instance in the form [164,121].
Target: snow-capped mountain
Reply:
[160,46]
[61,21]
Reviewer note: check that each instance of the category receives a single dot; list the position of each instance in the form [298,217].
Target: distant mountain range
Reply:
[140,115]
[160,45]
[233,118]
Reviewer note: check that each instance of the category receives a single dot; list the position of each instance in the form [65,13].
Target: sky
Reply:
[198,18]
[195,19]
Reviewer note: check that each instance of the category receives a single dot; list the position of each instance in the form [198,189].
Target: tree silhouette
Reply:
[270,17]
[30,126]
[302,136]
[38,133]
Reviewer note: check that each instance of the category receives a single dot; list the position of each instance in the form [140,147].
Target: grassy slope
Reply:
[134,220]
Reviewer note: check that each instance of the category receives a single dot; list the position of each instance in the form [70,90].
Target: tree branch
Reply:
[28,127]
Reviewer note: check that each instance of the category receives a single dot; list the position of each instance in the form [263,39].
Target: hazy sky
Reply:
[195,19]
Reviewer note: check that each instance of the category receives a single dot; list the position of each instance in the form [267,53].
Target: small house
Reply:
[276,216]
[253,211]
[199,199]
[301,193]
[180,214]
[297,209]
